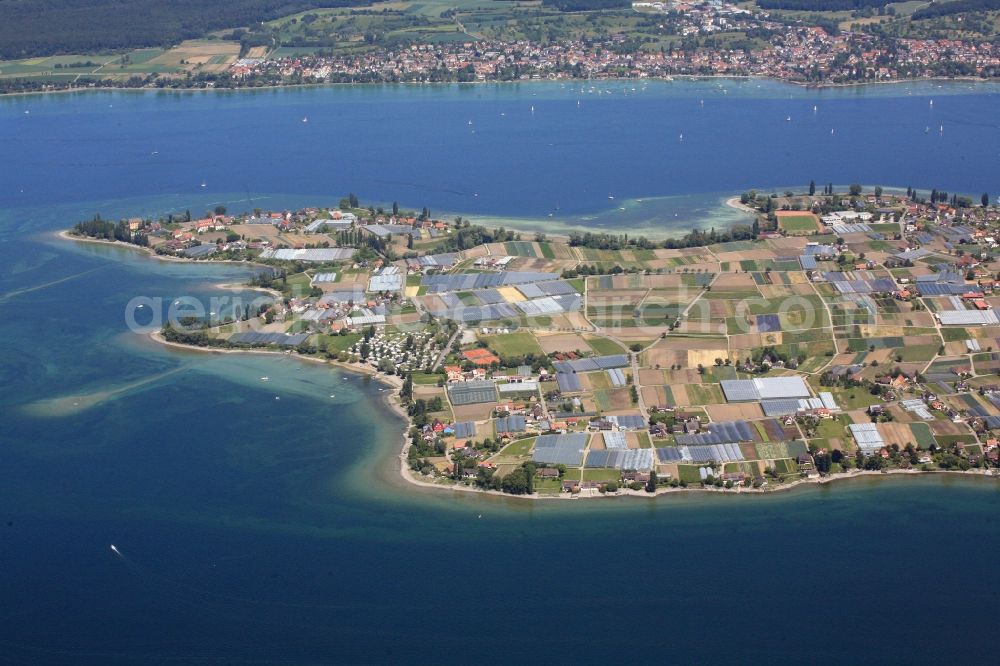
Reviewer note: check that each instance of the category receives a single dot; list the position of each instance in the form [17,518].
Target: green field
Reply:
[601,475]
[338,343]
[798,223]
[519,343]
[605,347]
[517,449]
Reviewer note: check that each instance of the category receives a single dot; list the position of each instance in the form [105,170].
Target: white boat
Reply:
[263,379]
[203,184]
[788,119]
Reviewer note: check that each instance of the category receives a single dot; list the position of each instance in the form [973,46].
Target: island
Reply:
[839,332]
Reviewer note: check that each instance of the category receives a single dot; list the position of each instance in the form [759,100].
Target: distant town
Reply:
[839,333]
[651,40]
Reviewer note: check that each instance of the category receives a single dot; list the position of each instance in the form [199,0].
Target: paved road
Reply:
[446,349]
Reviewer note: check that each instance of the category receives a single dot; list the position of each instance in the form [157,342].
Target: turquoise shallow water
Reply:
[255,529]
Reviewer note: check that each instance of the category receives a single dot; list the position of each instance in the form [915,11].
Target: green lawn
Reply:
[338,343]
[798,223]
[518,343]
[519,448]
[601,475]
[548,486]
[689,473]
[425,378]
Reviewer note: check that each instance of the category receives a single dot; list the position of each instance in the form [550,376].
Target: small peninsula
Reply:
[839,332]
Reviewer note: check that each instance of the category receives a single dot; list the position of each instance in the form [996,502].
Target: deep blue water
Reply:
[263,530]
[566,157]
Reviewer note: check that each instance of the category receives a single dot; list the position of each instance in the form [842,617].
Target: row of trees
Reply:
[112,231]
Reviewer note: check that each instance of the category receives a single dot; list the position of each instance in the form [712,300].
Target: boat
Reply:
[611,197]
[788,119]
[203,184]
[305,119]
[263,379]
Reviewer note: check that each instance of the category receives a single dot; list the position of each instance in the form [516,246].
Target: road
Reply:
[446,349]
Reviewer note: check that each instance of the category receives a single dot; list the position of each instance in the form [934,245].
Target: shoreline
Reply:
[808,85]
[66,235]
[391,400]
[734,202]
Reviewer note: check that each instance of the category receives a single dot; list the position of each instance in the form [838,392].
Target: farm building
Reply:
[764,388]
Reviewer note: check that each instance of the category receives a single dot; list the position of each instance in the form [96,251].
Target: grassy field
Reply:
[338,343]
[798,224]
[426,379]
[604,346]
[517,450]
[518,343]
[601,475]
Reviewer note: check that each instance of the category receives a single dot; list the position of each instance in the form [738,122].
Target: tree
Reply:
[352,200]
[878,191]
[812,187]
[855,190]
[652,483]
[395,208]
[985,199]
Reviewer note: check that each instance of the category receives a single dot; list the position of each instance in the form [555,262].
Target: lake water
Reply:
[261,529]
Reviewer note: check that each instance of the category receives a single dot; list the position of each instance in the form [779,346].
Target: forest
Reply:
[49,27]
[586,5]
[936,9]
[821,5]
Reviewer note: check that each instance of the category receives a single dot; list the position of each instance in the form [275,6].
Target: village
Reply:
[713,41]
[429,42]
[854,333]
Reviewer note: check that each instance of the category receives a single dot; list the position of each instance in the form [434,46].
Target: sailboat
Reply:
[305,119]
